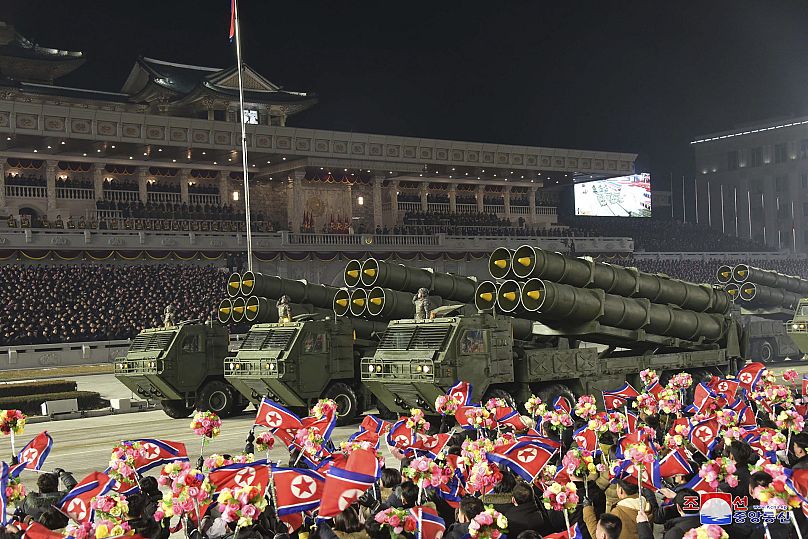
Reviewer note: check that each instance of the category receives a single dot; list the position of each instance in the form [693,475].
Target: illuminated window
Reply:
[360,201]
[235,195]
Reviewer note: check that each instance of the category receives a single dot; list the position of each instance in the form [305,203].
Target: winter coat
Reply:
[626,510]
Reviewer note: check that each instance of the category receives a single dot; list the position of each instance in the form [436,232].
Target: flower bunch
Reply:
[556,420]
[480,418]
[206,424]
[778,494]
[771,440]
[446,405]
[398,520]
[599,423]
[100,529]
[495,402]
[189,490]
[733,433]
[122,462]
[425,472]
[791,420]
[417,421]
[264,441]
[776,394]
[708,531]
[217,461]
[790,375]
[111,506]
[15,490]
[482,477]
[490,524]
[677,436]
[767,377]
[681,380]
[717,470]
[310,440]
[547,475]
[12,421]
[646,403]
[640,454]
[558,497]
[669,400]
[648,377]
[616,422]
[579,463]
[324,408]
[586,408]
[726,417]
[473,451]
[242,505]
[532,405]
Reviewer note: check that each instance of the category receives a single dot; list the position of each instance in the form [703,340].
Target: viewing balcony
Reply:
[26,191]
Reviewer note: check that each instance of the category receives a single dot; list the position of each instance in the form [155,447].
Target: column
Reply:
[480,198]
[507,200]
[531,202]
[453,198]
[393,191]
[185,177]
[377,201]
[3,183]
[295,200]
[424,193]
[98,180]
[224,188]
[50,177]
[142,182]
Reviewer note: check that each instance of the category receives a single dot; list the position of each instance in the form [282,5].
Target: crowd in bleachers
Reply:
[73,183]
[161,187]
[198,189]
[699,271]
[120,185]
[163,210]
[26,180]
[77,302]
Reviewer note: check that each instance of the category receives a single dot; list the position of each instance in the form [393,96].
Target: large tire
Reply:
[347,405]
[766,352]
[176,409]
[217,397]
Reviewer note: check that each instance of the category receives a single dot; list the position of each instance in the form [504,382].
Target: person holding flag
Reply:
[36,503]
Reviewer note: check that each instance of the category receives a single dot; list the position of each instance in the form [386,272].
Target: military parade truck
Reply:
[181,366]
[296,362]
[764,301]
[797,327]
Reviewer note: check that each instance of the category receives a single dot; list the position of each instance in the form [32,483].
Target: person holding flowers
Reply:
[468,508]
[626,510]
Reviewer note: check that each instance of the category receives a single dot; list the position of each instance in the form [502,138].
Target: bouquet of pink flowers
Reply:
[599,423]
[717,470]
[790,420]
[790,375]
[680,381]
[733,433]
[490,524]
[325,408]
[532,406]
[100,529]
[242,505]
[579,463]
[640,454]
[617,422]
[586,408]
[678,436]
[398,520]
[556,421]
[310,440]
[771,440]
[648,377]
[425,472]
[111,506]
[495,402]
[558,497]
[669,400]
[264,441]
[446,405]
[217,461]
[708,531]
[473,451]
[778,494]
[417,421]
[727,417]
[12,421]
[15,490]
[189,490]
[480,418]
[122,461]
[482,477]
[206,424]
[646,403]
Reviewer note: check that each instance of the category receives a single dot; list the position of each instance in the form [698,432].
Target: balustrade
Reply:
[75,193]
[26,191]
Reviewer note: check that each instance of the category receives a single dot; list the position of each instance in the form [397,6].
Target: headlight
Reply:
[152,364]
[266,365]
[426,368]
[232,366]
[272,366]
[370,368]
[120,365]
[418,368]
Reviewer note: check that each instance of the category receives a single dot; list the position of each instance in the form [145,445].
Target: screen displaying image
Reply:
[626,196]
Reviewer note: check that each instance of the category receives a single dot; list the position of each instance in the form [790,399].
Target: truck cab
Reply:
[181,366]
[797,327]
[296,363]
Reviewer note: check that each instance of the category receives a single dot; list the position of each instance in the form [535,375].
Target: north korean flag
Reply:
[614,400]
[432,445]
[750,375]
[573,533]
[702,397]
[35,530]
[699,484]
[461,418]
[632,421]
[4,477]
[371,423]
[33,455]
[654,389]
[643,436]
[76,504]
[232,476]
[274,416]
[586,438]
[512,419]
[401,436]
[651,479]
[297,489]
[703,435]
[324,424]
[525,458]
[461,392]
[724,387]
[453,491]
[562,403]
[430,525]
[346,483]
[365,436]
[804,385]
[797,480]
[675,463]
[158,452]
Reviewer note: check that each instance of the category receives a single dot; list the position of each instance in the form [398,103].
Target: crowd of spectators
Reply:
[162,187]
[73,183]
[120,185]
[702,271]
[77,302]
[198,189]
[167,210]
[26,180]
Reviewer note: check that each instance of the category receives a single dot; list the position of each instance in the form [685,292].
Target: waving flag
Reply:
[562,403]
[797,480]
[573,533]
[274,416]
[76,503]
[3,499]
[297,489]
[724,387]
[430,525]
[432,445]
[675,463]
[750,375]
[703,436]
[232,476]
[632,421]
[371,423]
[453,491]
[345,484]
[586,438]
[158,452]
[35,530]
[400,435]
[324,424]
[461,392]
[702,397]
[699,484]
[33,455]
[365,436]
[232,19]
[618,398]
[525,458]
[804,385]
[512,419]
[654,388]
[651,479]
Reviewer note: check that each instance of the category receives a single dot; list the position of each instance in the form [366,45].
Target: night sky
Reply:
[643,77]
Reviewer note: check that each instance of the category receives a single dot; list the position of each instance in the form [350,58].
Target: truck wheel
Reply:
[176,409]
[217,397]
[347,407]
[766,352]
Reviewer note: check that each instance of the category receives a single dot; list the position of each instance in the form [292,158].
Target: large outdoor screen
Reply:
[626,196]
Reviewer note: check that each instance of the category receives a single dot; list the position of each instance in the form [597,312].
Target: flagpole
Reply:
[244,167]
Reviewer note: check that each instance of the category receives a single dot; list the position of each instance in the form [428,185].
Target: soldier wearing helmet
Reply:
[284,309]
[423,306]
[168,316]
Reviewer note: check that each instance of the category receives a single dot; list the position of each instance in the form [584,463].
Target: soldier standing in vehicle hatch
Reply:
[168,316]
[284,309]
[423,307]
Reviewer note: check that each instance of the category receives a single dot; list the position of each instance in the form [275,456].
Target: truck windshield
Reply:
[426,337]
[803,310]
[152,341]
[268,339]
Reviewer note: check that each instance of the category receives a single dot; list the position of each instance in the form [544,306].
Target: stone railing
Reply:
[203,198]
[159,196]
[437,206]
[26,191]
[75,193]
[409,206]
[119,195]
[466,208]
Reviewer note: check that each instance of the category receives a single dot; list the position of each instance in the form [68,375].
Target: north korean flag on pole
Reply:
[76,504]
[573,533]
[33,455]
[804,385]
[703,435]
[586,438]
[371,423]
[274,416]
[344,485]
[562,403]
[675,463]
[400,435]
[232,19]
[157,453]
[430,525]
[750,375]
[296,489]
[432,445]
[525,458]
[614,400]
[654,389]
[35,530]
[232,476]
[461,392]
